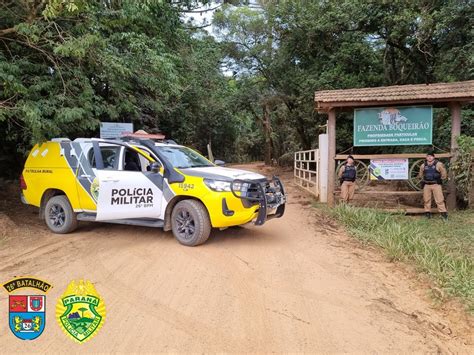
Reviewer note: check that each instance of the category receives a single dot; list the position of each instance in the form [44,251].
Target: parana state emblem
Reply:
[80,311]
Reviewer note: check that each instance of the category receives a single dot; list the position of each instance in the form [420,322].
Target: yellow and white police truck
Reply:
[145,183]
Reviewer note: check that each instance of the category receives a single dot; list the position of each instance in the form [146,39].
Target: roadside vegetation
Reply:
[246,84]
[463,169]
[443,250]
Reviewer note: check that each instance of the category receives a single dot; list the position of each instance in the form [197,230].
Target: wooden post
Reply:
[267,130]
[455,108]
[331,156]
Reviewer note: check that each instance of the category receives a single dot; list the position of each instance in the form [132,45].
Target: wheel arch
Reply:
[172,203]
[47,194]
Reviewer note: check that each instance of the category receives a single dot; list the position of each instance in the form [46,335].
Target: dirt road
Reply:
[297,284]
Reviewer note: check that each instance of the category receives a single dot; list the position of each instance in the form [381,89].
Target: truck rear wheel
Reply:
[190,222]
[59,215]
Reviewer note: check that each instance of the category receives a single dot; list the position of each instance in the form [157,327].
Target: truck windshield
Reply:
[182,157]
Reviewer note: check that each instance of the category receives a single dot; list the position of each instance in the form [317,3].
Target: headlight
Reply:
[224,186]
[218,185]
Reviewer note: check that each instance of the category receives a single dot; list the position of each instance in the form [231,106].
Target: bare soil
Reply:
[296,284]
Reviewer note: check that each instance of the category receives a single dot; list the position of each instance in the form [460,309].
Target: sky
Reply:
[204,17]
[197,18]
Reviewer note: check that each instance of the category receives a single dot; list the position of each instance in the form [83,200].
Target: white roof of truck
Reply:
[88,140]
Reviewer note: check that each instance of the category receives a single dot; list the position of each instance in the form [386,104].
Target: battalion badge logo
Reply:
[80,311]
[27,313]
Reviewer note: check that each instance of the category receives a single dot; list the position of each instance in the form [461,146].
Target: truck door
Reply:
[126,189]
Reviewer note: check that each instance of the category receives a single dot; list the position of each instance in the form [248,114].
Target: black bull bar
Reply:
[267,193]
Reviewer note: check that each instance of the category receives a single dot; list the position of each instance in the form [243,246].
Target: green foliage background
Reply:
[463,168]
[66,65]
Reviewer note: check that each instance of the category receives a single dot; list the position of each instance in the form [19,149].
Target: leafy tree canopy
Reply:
[66,65]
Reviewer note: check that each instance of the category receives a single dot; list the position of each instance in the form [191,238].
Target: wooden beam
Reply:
[455,126]
[389,193]
[331,156]
[324,106]
[455,108]
[350,109]
[391,156]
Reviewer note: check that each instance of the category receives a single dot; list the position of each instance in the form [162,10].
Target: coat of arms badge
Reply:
[80,311]
[27,313]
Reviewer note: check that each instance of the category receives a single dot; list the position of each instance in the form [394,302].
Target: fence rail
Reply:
[306,170]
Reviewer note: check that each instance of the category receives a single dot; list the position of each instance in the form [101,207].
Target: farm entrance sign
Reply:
[393,126]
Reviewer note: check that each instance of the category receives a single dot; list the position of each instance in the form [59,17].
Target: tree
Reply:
[66,65]
[248,34]
[82,310]
[298,47]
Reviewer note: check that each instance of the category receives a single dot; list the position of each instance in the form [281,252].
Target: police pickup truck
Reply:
[145,183]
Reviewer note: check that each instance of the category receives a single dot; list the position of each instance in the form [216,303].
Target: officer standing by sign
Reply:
[433,173]
[347,176]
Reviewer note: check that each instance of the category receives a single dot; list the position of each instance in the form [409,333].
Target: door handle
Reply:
[110,180]
[85,176]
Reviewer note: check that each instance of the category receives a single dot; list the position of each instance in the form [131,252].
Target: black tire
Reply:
[59,215]
[190,222]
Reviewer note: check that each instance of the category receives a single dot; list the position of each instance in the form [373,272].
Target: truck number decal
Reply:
[186,186]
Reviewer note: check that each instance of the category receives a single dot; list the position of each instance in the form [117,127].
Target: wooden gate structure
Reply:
[307,170]
[451,95]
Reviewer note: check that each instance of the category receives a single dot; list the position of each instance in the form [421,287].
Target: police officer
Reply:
[433,173]
[347,176]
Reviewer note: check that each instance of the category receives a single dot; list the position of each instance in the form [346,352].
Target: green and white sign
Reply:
[393,126]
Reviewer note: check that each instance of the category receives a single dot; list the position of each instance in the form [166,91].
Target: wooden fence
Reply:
[306,170]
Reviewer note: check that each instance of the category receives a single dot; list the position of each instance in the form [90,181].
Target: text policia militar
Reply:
[137,195]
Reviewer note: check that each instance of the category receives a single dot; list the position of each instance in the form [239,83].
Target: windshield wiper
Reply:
[193,166]
[201,166]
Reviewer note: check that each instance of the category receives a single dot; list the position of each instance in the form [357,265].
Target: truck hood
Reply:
[221,173]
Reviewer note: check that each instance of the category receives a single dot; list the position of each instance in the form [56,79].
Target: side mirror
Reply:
[155,167]
[219,162]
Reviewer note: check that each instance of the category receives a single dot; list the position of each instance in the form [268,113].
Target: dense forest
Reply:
[245,83]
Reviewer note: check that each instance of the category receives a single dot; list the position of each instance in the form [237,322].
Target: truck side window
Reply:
[110,156]
[131,160]
[146,162]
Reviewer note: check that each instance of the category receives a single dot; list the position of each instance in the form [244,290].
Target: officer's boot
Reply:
[444,215]
[428,215]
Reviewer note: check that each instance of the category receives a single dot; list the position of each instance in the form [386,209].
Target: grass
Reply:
[443,250]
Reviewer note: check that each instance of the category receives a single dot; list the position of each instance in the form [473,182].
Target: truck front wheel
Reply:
[190,222]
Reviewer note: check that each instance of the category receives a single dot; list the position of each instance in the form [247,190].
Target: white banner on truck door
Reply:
[388,169]
[127,194]
[115,129]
